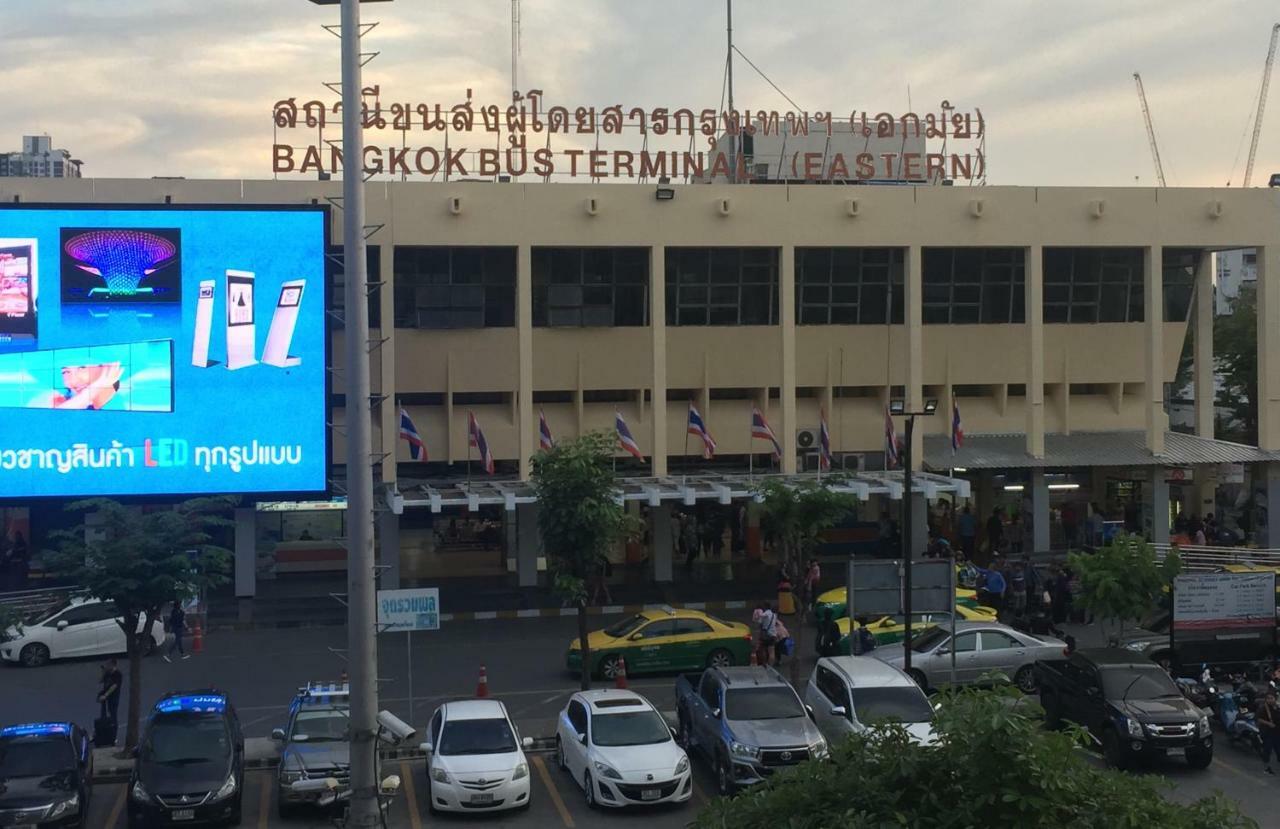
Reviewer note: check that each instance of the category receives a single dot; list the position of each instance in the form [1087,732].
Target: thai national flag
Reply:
[624,436]
[545,442]
[890,441]
[699,429]
[760,430]
[957,433]
[824,442]
[417,449]
[475,438]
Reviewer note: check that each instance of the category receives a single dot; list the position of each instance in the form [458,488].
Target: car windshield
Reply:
[928,640]
[1137,683]
[772,703]
[324,726]
[627,626]
[35,756]
[187,739]
[906,705]
[492,736]
[633,728]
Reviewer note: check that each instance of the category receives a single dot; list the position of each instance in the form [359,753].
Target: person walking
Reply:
[812,575]
[967,527]
[1269,729]
[780,641]
[995,532]
[768,634]
[828,634]
[863,640]
[109,692]
[689,537]
[177,626]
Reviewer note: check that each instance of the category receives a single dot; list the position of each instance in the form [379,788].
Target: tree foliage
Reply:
[580,517]
[142,560]
[1123,581]
[993,765]
[1235,349]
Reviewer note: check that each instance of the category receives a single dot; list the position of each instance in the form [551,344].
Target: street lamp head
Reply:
[338,2]
[930,406]
[897,406]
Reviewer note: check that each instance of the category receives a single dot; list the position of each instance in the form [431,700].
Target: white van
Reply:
[852,694]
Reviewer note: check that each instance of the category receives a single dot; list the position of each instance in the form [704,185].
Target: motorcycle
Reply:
[1198,690]
[1235,719]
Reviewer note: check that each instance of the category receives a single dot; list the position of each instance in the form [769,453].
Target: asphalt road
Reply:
[262,669]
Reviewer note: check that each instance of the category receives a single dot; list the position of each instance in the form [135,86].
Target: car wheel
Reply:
[1113,750]
[34,655]
[719,658]
[610,667]
[560,763]
[1025,679]
[919,678]
[1199,759]
[724,777]
[589,787]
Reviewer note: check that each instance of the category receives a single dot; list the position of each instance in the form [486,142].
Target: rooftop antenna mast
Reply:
[733,149]
[515,46]
[1262,103]
[1151,131]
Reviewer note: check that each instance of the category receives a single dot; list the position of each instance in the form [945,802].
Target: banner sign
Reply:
[1217,601]
[414,609]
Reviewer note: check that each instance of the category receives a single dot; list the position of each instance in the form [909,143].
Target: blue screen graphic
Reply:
[163,352]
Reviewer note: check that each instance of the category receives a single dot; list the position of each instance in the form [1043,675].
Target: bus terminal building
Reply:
[1052,318]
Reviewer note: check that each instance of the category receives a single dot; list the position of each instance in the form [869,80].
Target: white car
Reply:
[79,627]
[620,750]
[849,694]
[474,759]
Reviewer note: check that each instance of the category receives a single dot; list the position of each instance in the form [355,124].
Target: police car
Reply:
[190,764]
[46,773]
[315,747]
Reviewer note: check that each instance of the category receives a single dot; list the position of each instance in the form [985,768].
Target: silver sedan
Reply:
[982,649]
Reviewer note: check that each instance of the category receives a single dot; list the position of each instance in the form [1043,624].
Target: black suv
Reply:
[190,763]
[46,774]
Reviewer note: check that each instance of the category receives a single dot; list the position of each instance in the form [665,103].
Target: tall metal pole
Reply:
[362,643]
[906,545]
[733,141]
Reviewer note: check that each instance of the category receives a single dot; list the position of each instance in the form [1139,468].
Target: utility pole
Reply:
[362,643]
[733,141]
[907,552]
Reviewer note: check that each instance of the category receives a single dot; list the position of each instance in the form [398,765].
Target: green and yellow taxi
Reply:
[889,630]
[837,601]
[663,639]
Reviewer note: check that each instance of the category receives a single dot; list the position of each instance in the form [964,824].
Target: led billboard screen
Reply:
[162,351]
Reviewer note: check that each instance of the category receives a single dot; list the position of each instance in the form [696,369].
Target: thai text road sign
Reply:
[414,609]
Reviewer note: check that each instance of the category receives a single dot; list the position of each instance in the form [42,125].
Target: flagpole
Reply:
[468,453]
[684,467]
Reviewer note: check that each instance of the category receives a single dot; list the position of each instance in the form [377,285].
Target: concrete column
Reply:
[658,329]
[1155,517]
[1266,477]
[913,317]
[787,326]
[1153,310]
[663,542]
[389,421]
[246,549]
[526,425]
[528,544]
[1202,353]
[388,550]
[1039,518]
[1034,313]
[1269,347]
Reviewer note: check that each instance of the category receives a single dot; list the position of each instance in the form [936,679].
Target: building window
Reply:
[722,286]
[1179,281]
[1093,285]
[455,287]
[575,287]
[973,285]
[849,286]
[338,283]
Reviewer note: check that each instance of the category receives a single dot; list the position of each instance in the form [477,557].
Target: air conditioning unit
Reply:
[807,440]
[853,461]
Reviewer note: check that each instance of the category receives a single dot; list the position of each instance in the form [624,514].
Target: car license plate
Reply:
[650,794]
[487,797]
[182,814]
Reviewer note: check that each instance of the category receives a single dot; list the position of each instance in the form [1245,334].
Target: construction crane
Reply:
[515,46]
[1262,103]
[1151,131]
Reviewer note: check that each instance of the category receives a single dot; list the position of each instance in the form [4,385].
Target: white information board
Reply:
[1203,601]
[413,609]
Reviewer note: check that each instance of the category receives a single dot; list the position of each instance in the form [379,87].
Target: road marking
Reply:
[264,801]
[118,807]
[551,790]
[411,795]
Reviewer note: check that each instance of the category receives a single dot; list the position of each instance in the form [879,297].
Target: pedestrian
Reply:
[109,691]
[995,532]
[177,626]
[1018,590]
[781,641]
[1269,729]
[1070,525]
[863,640]
[993,587]
[828,633]
[885,531]
[600,581]
[767,626]
[689,537]
[812,575]
[968,529]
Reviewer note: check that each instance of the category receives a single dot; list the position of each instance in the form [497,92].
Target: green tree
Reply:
[9,618]
[580,517]
[1123,581]
[993,765]
[1235,349]
[793,517]
[142,560]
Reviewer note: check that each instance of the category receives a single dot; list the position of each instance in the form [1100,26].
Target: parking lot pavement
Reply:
[555,803]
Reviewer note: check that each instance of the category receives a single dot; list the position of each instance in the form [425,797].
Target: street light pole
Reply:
[906,544]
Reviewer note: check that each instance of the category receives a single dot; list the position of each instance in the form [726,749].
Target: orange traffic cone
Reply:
[197,638]
[620,681]
[482,684]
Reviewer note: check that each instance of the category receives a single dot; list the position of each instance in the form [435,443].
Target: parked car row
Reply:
[78,627]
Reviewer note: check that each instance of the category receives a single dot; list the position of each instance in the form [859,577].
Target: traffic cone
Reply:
[197,638]
[482,684]
[620,681]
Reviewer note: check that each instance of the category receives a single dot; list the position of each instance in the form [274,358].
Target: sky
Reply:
[140,88]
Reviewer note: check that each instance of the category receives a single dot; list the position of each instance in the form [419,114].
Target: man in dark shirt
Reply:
[177,626]
[109,691]
[1269,729]
[995,532]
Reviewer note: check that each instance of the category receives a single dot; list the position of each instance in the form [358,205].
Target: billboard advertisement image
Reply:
[160,351]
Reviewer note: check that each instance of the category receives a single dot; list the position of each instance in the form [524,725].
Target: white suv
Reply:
[80,627]
[851,694]
[474,759]
[620,750]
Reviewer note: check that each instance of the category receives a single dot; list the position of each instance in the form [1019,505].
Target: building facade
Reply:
[39,159]
[1051,318]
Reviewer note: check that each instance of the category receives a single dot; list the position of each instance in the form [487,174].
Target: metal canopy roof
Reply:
[687,490]
[1009,451]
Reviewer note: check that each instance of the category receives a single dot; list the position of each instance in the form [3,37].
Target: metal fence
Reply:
[32,602]
[1213,558]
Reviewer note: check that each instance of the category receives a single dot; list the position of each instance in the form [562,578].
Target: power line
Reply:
[767,78]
